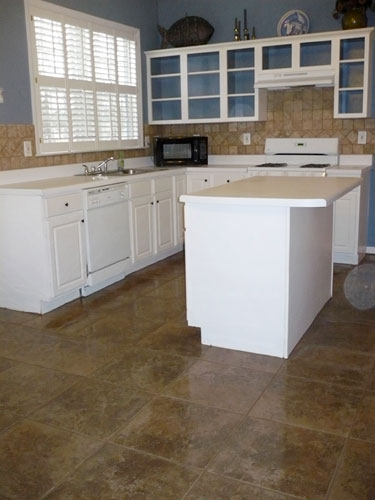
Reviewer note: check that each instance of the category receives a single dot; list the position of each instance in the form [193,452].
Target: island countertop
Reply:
[277,191]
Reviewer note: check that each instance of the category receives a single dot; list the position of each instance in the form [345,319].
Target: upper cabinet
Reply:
[352,92]
[228,81]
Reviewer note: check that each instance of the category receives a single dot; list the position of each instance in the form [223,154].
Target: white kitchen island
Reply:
[259,259]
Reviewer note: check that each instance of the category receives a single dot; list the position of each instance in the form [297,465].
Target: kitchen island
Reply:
[259,259]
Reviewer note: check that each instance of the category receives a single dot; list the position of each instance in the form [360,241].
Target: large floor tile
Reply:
[181,431]
[17,317]
[145,368]
[176,337]
[7,419]
[34,457]
[71,318]
[213,487]
[355,479]
[364,426]
[246,359]
[329,364]
[308,403]
[223,386]
[354,336]
[92,407]
[117,473]
[26,387]
[280,457]
[371,382]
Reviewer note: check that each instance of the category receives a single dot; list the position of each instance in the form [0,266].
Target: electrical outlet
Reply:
[246,139]
[147,141]
[27,151]
[362,137]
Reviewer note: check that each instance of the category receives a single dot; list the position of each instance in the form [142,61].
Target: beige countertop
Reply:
[276,191]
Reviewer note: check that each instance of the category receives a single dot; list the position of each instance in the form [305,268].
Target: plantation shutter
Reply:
[87,88]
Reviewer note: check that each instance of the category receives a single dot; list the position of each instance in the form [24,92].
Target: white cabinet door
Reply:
[345,225]
[180,188]
[164,220]
[226,177]
[197,182]
[68,253]
[142,227]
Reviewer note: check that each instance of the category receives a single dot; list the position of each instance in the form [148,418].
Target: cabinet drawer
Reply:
[163,184]
[137,189]
[63,204]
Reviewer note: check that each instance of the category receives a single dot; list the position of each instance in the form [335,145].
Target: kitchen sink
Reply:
[124,171]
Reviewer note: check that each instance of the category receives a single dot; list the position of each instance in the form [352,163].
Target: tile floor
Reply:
[113,397]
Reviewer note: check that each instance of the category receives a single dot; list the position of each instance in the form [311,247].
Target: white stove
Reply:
[295,153]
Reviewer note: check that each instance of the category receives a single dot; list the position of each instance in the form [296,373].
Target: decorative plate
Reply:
[294,22]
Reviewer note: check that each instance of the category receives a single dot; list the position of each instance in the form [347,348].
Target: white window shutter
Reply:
[107,116]
[78,53]
[54,112]
[104,57]
[82,111]
[86,87]
[49,47]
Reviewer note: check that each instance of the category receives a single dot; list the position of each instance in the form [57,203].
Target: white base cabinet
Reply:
[43,248]
[153,220]
[67,251]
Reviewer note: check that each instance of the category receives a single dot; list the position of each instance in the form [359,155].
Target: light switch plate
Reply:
[27,150]
[362,137]
[246,139]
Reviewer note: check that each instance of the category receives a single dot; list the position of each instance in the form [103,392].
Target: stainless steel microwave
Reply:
[170,151]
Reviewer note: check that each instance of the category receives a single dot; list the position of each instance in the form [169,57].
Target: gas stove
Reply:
[310,153]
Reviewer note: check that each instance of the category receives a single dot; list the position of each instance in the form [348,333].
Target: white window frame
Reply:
[47,10]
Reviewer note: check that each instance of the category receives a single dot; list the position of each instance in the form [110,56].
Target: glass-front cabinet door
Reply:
[240,83]
[165,88]
[351,98]
[203,85]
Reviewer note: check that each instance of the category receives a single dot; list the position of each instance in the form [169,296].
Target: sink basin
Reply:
[124,171]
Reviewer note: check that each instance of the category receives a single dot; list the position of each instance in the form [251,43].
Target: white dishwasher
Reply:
[107,235]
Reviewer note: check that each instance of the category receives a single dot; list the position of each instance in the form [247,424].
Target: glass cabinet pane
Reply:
[351,74]
[315,53]
[350,101]
[165,65]
[203,62]
[352,48]
[168,86]
[205,84]
[241,58]
[241,82]
[166,110]
[204,108]
[277,56]
[241,106]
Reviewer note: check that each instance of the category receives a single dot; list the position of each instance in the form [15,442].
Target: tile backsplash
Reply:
[301,112]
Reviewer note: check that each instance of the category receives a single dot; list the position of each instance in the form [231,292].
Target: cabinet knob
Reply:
[157,201]
[228,180]
[152,203]
[66,204]
[82,220]
[206,180]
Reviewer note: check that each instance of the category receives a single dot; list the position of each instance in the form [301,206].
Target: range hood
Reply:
[283,79]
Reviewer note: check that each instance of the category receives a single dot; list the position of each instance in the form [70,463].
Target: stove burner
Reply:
[315,165]
[273,165]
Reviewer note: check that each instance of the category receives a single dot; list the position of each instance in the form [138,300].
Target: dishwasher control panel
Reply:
[106,195]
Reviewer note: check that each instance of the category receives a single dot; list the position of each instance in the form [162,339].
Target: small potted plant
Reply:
[353,12]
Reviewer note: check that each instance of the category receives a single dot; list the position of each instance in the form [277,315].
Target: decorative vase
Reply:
[354,18]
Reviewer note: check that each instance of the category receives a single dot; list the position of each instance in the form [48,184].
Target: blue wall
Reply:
[14,71]
[264,15]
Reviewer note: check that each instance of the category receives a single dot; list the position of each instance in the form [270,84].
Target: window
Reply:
[86,83]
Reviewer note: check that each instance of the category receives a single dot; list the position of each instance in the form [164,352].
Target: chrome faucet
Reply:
[98,168]
[104,164]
